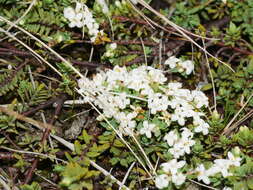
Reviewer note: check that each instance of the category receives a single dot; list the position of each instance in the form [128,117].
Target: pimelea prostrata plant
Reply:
[144,104]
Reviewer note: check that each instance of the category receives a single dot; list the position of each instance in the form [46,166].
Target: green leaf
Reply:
[92,154]
[73,172]
[78,147]
[86,137]
[118,143]
[33,186]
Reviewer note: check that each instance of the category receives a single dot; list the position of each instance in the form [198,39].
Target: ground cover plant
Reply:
[102,94]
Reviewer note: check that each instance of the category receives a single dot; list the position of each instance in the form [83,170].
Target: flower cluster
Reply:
[180,146]
[172,171]
[143,103]
[220,166]
[181,66]
[80,17]
[146,84]
[172,174]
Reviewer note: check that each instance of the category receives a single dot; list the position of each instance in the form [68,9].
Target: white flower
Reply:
[110,51]
[116,76]
[104,6]
[184,94]
[213,170]
[162,181]
[174,86]
[113,46]
[178,179]
[73,17]
[188,66]
[202,174]
[166,117]
[199,98]
[157,102]
[186,133]
[127,124]
[175,102]
[147,129]
[137,79]
[222,165]
[201,126]
[172,62]
[187,144]
[182,66]
[156,75]
[69,13]
[118,3]
[120,100]
[80,17]
[99,79]
[177,150]
[171,138]
[172,166]
[235,161]
[179,115]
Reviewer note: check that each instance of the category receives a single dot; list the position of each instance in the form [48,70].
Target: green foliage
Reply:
[185,17]
[233,34]
[244,137]
[33,94]
[244,18]
[76,176]
[33,186]
[46,24]
[9,80]
[244,178]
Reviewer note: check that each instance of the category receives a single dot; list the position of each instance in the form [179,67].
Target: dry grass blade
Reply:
[30,49]
[2,182]
[64,60]
[211,76]
[238,123]
[203,185]
[228,129]
[119,135]
[33,122]
[181,31]
[25,13]
[127,174]
[33,153]
[69,145]
[43,44]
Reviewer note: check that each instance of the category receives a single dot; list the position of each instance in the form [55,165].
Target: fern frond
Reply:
[33,95]
[9,80]
[46,24]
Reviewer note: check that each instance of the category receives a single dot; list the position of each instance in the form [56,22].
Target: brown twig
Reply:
[10,140]
[60,101]
[21,53]
[18,116]
[30,172]
[242,51]
[6,156]
[44,105]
